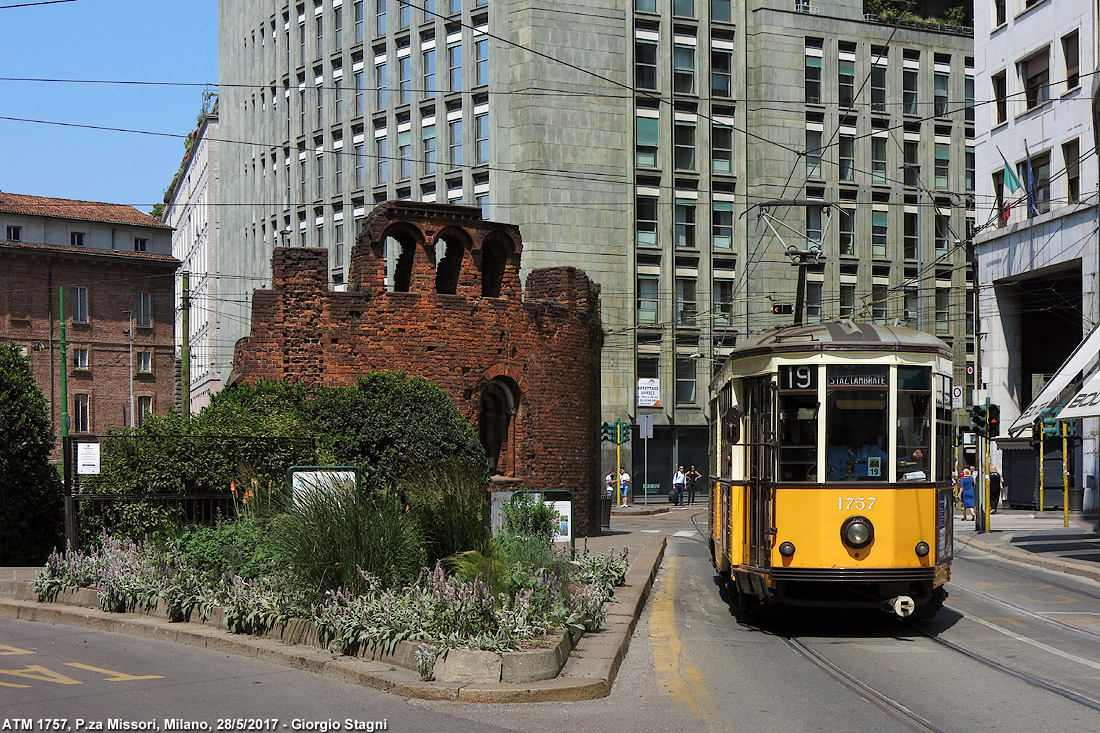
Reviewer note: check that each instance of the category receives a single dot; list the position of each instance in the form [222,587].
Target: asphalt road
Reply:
[695,664]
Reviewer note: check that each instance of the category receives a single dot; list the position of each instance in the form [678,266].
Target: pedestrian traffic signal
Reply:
[607,431]
[993,421]
[782,309]
[978,419]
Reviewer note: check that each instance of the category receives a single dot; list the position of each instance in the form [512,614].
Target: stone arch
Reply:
[498,411]
[495,255]
[449,267]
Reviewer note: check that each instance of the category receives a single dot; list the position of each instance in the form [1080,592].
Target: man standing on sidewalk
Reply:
[679,480]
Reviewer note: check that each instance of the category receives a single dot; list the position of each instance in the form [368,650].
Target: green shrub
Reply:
[450,501]
[240,547]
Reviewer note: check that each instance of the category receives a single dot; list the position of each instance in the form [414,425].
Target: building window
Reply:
[1000,97]
[456,7]
[647,130]
[970,168]
[404,80]
[943,166]
[813,227]
[943,233]
[968,97]
[683,69]
[76,239]
[379,17]
[1071,156]
[723,302]
[1000,13]
[912,304]
[879,220]
[686,303]
[721,10]
[428,58]
[360,158]
[846,152]
[645,6]
[878,161]
[1070,54]
[15,234]
[878,87]
[481,60]
[403,13]
[81,417]
[381,159]
[943,310]
[143,313]
[813,80]
[357,14]
[80,305]
[645,64]
[940,83]
[646,220]
[454,65]
[685,223]
[909,79]
[911,166]
[1036,77]
[144,362]
[847,231]
[648,298]
[685,380]
[684,141]
[847,299]
[846,83]
[721,73]
[911,239]
[140,244]
[649,366]
[80,358]
[454,132]
[683,8]
[338,27]
[428,136]
[481,135]
[144,408]
[404,154]
[722,225]
[1040,174]
[879,302]
[813,153]
[814,298]
[721,142]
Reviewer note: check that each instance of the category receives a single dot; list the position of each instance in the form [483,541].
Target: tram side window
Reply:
[914,422]
[945,430]
[856,432]
[798,409]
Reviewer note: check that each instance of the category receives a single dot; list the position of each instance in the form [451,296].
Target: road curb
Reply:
[1000,549]
[588,673]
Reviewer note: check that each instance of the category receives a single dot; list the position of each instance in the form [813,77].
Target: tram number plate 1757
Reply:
[859,503]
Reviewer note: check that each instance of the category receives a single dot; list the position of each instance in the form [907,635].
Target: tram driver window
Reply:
[914,422]
[857,434]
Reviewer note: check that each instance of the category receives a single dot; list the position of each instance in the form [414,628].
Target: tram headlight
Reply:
[786,549]
[921,549]
[857,532]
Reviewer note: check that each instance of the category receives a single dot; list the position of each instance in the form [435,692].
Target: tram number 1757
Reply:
[859,503]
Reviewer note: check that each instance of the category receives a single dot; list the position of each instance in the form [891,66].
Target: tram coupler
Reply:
[901,606]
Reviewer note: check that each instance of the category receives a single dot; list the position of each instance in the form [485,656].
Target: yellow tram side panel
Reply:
[730,517]
[811,519]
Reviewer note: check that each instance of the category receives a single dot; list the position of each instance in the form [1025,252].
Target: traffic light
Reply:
[782,309]
[607,431]
[1051,427]
[624,432]
[993,421]
[978,419]
[1036,433]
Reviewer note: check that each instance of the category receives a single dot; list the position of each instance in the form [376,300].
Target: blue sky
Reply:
[120,40]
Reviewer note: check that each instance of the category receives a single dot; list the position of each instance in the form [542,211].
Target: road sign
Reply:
[645,426]
[956,398]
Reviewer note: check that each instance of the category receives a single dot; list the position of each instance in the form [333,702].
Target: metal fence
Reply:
[125,485]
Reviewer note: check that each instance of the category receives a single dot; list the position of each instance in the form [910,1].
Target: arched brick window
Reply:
[447,271]
[402,275]
[494,258]
[500,402]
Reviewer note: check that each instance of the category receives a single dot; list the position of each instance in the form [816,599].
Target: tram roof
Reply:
[840,335]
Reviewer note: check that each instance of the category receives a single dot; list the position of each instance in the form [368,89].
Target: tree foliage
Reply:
[31,504]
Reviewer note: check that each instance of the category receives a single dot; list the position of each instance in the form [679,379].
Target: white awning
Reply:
[1085,352]
[1086,403]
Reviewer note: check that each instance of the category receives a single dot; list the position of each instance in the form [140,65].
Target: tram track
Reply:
[1024,612]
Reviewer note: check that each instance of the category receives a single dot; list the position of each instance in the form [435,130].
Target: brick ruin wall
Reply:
[547,343]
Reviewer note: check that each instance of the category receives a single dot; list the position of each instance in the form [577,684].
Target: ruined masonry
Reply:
[523,370]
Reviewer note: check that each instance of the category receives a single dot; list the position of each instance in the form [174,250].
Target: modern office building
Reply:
[192,210]
[1037,194]
[633,141]
[112,264]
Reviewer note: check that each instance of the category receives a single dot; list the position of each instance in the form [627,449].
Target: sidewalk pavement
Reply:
[1026,537]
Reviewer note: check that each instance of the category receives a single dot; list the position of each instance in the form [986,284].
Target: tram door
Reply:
[760,443]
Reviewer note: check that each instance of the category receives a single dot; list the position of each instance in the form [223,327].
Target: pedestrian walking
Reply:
[679,481]
[692,476]
[996,483]
[966,492]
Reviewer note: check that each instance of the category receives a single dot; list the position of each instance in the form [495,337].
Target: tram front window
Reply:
[856,436]
[914,422]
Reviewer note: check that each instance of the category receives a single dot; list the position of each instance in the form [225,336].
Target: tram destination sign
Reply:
[857,380]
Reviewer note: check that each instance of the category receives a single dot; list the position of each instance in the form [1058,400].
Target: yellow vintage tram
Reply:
[832,452]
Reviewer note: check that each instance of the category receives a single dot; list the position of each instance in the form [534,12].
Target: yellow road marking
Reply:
[37,672]
[681,680]
[1065,599]
[113,676]
[1008,620]
[6,650]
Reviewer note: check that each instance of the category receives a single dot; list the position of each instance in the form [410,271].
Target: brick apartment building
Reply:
[115,265]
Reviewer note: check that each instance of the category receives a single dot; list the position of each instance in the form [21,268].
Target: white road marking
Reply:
[1038,644]
[685,533]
